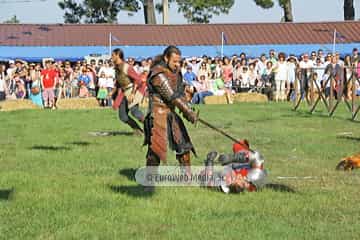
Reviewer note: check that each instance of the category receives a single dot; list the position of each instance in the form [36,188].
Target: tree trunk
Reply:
[149,12]
[165,11]
[349,11]
[288,16]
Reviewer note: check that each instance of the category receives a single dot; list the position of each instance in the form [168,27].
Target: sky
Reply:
[47,11]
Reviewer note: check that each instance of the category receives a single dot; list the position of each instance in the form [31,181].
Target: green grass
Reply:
[71,185]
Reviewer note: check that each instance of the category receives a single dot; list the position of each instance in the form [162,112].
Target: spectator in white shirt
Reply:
[281,77]
[195,64]
[320,54]
[11,70]
[2,83]
[319,69]
[305,66]
[261,64]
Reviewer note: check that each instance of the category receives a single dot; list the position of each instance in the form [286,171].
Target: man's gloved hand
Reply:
[185,109]
[191,116]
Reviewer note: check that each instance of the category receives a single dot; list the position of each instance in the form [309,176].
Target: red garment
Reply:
[49,77]
[242,145]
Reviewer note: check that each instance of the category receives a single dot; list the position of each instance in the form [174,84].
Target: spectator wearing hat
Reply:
[195,64]
[48,81]
[11,70]
[306,66]
[189,77]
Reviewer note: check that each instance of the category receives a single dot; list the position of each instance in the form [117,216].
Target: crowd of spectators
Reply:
[273,74]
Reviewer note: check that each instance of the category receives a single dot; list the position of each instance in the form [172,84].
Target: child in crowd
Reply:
[103,92]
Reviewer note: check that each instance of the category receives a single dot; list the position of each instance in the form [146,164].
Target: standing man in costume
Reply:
[128,91]
[163,126]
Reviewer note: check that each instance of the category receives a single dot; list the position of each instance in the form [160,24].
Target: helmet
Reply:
[256,159]
[257,177]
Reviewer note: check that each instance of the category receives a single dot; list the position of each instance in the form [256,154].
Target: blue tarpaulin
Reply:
[74,53]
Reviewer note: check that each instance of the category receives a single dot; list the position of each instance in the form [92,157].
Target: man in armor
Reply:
[128,91]
[163,126]
[243,170]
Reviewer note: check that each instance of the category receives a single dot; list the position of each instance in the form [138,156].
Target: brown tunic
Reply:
[163,126]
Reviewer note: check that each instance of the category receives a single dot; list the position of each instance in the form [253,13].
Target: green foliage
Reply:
[13,19]
[96,11]
[265,3]
[71,185]
[284,4]
[270,3]
[105,11]
[198,11]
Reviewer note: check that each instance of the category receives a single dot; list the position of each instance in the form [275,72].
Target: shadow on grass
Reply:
[132,191]
[349,138]
[5,194]
[129,173]
[49,148]
[279,187]
[80,143]
[110,133]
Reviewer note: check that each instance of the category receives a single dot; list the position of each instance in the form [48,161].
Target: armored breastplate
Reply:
[174,78]
[121,77]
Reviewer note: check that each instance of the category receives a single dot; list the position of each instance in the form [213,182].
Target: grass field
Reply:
[68,184]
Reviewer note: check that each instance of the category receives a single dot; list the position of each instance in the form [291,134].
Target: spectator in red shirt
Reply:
[48,80]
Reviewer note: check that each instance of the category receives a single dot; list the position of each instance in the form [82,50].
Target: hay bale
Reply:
[250,97]
[18,104]
[215,100]
[77,103]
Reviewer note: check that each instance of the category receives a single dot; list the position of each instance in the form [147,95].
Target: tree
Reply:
[104,11]
[13,19]
[196,11]
[349,10]
[96,11]
[149,11]
[284,4]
